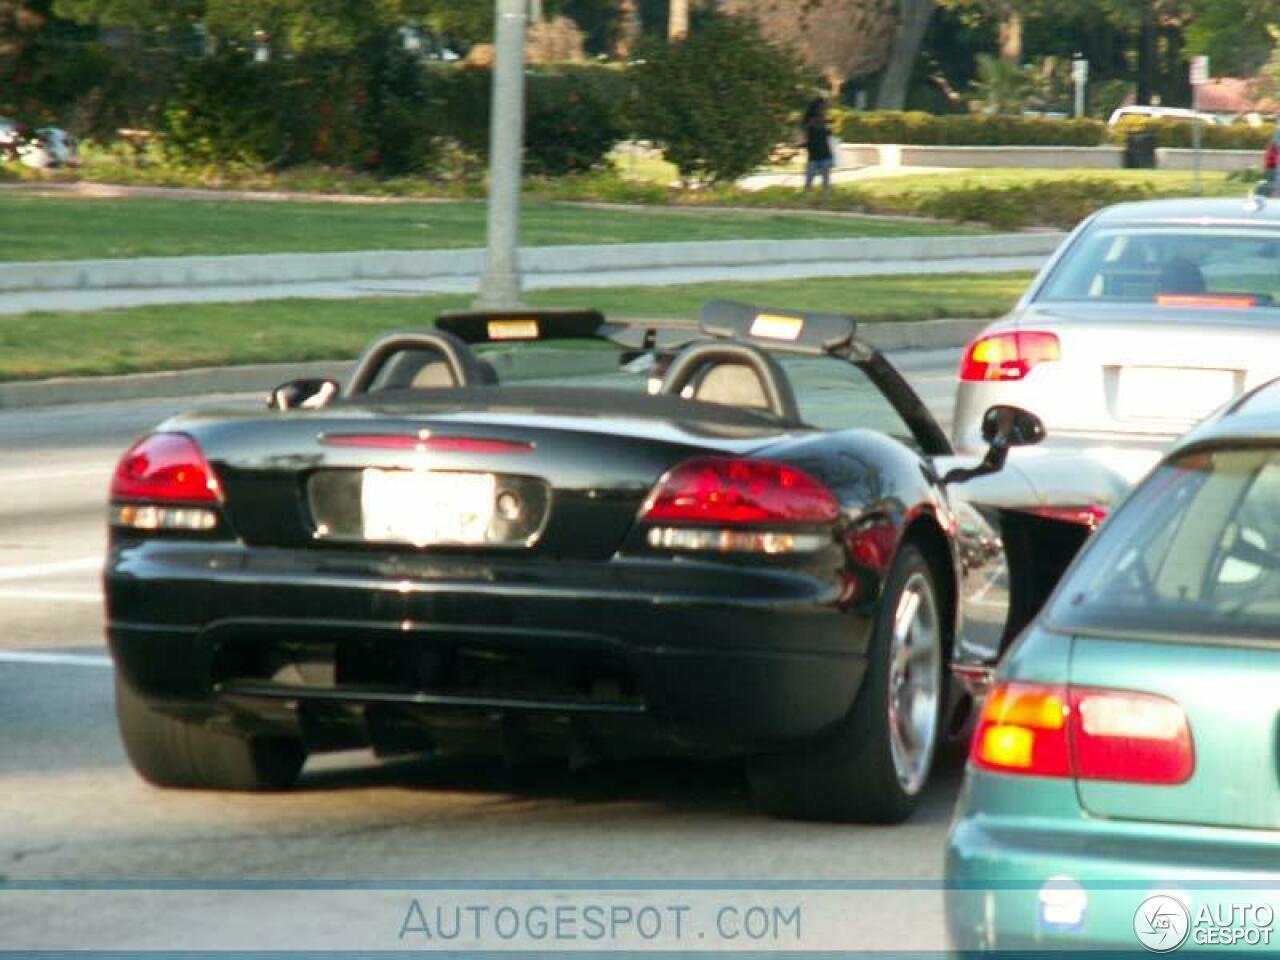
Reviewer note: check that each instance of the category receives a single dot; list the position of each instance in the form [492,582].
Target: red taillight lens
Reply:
[739,491]
[1083,732]
[1008,356]
[1132,737]
[165,467]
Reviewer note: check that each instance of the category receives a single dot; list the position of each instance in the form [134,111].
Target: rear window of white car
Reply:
[1228,269]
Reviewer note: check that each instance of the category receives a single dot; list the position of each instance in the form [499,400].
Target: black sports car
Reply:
[745,537]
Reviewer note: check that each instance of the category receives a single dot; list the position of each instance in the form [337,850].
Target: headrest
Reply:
[733,374]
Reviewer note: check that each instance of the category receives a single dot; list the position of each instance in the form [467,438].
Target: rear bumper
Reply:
[697,656]
[1052,878]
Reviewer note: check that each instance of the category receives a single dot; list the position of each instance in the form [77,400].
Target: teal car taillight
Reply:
[1083,732]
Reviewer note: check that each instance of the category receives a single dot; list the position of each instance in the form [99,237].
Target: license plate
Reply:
[425,508]
[1165,393]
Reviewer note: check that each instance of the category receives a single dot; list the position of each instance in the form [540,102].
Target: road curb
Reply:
[297,268]
[261,377]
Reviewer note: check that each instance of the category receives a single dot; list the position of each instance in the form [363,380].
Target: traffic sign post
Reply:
[1079,77]
[1199,77]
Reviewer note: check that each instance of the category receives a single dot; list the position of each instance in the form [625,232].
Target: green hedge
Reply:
[1050,203]
[980,129]
[1175,134]
[971,129]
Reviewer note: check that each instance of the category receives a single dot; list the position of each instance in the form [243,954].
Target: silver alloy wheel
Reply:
[915,680]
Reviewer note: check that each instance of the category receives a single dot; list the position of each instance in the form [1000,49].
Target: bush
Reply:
[719,101]
[573,115]
[973,129]
[225,111]
[367,110]
[569,127]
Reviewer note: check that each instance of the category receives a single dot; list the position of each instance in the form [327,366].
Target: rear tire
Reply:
[169,752]
[876,764]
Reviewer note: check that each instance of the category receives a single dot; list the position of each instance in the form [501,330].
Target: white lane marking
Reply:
[62,596]
[32,476]
[55,659]
[34,570]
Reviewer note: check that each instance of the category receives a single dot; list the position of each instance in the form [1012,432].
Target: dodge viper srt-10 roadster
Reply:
[537,533]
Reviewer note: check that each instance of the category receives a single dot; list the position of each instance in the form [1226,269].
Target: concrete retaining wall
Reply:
[891,155]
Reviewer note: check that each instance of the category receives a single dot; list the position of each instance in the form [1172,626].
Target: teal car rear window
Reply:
[1195,551]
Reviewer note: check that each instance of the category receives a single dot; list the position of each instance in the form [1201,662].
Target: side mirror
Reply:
[1011,426]
[1003,427]
[305,394]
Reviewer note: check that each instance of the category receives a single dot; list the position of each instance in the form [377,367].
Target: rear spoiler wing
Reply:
[788,331]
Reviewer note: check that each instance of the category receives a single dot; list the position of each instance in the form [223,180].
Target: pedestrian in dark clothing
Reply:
[817,143]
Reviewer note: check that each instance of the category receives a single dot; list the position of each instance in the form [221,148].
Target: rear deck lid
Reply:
[1179,596]
[1231,697]
[1149,369]
[565,483]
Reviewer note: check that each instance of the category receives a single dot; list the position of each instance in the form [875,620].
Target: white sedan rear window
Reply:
[1171,267]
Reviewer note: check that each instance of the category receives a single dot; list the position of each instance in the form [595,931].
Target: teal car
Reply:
[1123,785]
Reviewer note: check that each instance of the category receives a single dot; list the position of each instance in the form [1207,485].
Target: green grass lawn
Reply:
[61,228]
[36,345]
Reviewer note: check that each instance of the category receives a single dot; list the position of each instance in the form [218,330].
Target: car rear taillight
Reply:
[1023,729]
[158,480]
[704,504]
[1084,732]
[738,491]
[1008,356]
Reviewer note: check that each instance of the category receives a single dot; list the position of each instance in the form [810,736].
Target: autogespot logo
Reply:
[1162,923]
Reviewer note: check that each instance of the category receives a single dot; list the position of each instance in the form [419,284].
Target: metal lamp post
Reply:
[500,283]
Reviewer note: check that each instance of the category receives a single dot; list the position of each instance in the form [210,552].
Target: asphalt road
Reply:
[72,810]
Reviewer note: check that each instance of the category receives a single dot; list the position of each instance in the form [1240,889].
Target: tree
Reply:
[913,21]
[678,19]
[629,28]
[840,39]
[296,24]
[21,23]
[1144,20]
[719,101]
[1233,34]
